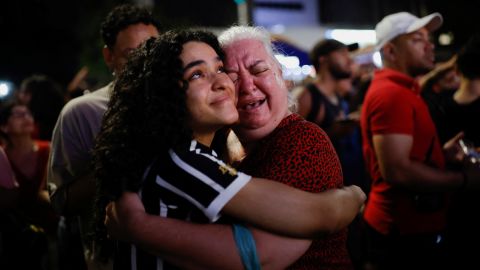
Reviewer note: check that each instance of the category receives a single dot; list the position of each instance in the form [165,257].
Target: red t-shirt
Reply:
[37,212]
[30,186]
[298,153]
[393,106]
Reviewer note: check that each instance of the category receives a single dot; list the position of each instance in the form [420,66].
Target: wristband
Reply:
[246,247]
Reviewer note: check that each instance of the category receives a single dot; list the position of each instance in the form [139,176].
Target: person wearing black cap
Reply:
[320,102]
[405,215]
[323,102]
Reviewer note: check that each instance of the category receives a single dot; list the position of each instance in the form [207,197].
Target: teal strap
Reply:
[246,247]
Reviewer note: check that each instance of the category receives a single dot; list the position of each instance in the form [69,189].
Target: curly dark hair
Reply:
[147,114]
[121,17]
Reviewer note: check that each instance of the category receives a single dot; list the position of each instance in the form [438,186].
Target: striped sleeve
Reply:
[201,178]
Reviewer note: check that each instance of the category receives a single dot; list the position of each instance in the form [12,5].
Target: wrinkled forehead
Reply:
[244,53]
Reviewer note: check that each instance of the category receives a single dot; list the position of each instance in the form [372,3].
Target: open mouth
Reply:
[253,105]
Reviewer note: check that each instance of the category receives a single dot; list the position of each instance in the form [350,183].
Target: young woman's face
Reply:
[19,122]
[211,94]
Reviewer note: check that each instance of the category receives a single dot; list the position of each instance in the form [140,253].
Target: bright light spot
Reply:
[348,36]
[277,29]
[377,59]
[306,70]
[288,61]
[4,90]
[297,71]
[445,39]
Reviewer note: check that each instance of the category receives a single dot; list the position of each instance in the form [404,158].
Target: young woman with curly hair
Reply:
[167,105]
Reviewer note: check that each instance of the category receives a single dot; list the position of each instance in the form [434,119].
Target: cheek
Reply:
[195,98]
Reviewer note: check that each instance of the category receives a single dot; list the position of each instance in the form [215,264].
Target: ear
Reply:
[108,57]
[321,60]
[389,51]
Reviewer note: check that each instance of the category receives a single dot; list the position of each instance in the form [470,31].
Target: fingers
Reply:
[109,212]
[459,136]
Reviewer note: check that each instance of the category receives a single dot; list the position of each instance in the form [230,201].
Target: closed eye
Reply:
[259,67]
[257,71]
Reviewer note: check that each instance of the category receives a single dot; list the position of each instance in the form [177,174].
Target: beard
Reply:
[339,73]
[419,70]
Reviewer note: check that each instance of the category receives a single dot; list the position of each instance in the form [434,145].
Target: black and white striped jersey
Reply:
[190,184]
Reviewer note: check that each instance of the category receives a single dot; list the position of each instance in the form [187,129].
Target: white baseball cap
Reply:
[400,23]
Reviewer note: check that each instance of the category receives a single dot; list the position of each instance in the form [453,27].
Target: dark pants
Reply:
[395,251]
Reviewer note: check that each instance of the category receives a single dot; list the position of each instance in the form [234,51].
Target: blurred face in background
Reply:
[20,122]
[127,40]
[24,96]
[339,63]
[414,52]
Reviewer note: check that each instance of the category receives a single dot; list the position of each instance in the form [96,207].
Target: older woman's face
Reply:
[262,93]
[210,94]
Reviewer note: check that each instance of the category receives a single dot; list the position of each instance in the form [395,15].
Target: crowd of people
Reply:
[199,155]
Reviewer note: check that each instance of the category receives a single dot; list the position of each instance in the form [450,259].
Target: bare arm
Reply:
[305,106]
[304,103]
[76,197]
[393,153]
[308,214]
[190,245]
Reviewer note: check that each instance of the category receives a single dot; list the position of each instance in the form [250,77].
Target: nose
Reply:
[429,44]
[222,82]
[246,83]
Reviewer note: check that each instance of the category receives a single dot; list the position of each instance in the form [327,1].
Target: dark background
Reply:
[58,37]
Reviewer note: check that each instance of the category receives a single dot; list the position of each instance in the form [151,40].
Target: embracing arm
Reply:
[308,214]
[189,245]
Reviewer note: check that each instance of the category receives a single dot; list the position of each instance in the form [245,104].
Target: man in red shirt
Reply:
[406,209]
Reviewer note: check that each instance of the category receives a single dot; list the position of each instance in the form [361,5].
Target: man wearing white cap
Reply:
[406,209]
